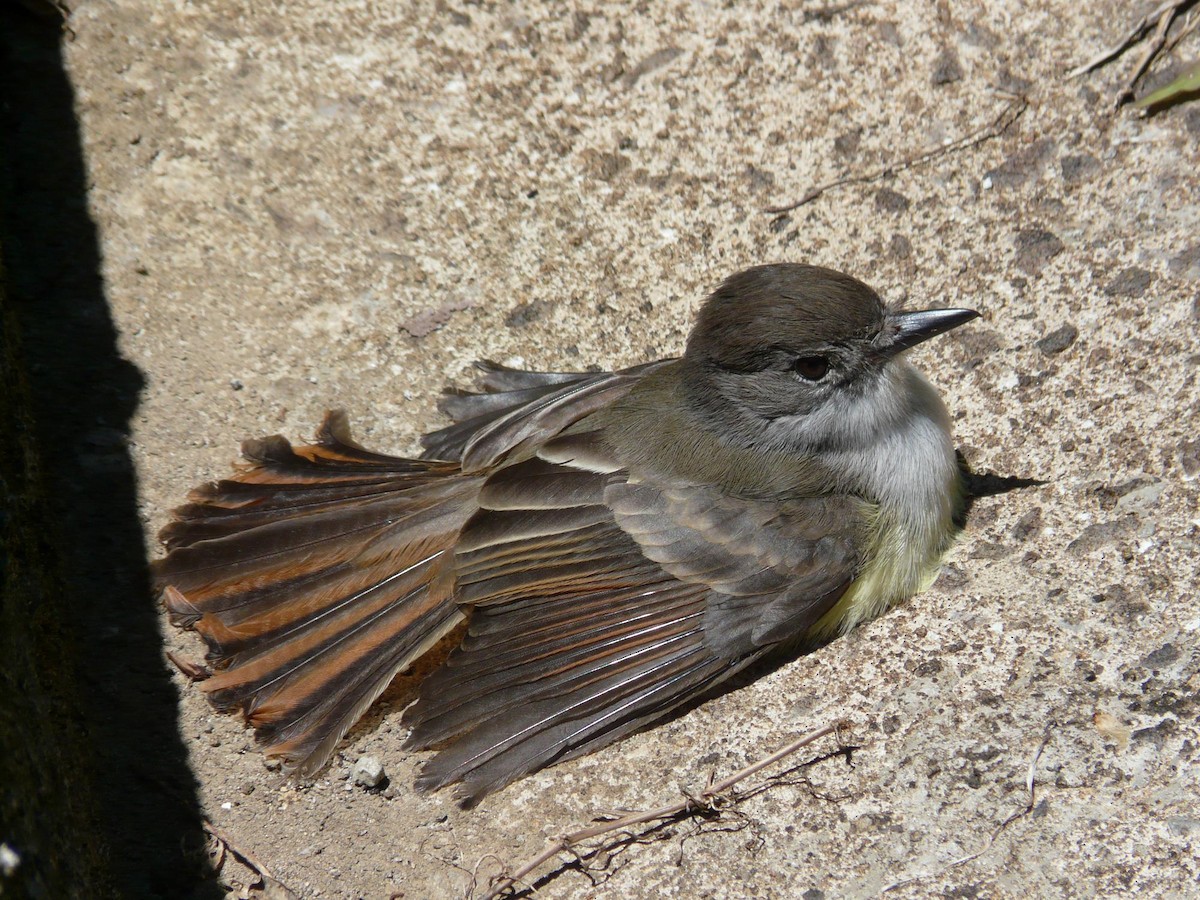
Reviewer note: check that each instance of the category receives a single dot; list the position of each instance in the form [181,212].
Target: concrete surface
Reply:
[342,204]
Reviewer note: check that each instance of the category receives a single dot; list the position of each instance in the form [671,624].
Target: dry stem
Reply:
[1001,123]
[711,798]
[1139,31]
[1159,21]
[1030,786]
[272,884]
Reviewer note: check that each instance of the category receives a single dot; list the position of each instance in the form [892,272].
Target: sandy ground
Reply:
[342,204]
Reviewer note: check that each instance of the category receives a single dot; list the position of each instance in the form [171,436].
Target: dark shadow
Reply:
[82,395]
[987,484]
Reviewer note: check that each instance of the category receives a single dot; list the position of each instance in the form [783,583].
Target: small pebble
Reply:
[368,772]
[1130,282]
[1029,525]
[10,860]
[887,200]
[1058,340]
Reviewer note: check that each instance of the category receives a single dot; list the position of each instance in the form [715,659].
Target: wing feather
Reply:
[537,407]
[589,620]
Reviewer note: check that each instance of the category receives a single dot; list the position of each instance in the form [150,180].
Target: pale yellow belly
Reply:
[902,560]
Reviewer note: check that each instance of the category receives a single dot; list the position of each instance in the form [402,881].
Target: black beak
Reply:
[912,328]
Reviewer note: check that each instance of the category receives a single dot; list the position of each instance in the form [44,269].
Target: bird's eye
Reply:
[811,368]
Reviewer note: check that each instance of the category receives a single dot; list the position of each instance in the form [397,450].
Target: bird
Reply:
[603,547]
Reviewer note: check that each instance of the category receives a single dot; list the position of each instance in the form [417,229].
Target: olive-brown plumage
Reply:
[618,543]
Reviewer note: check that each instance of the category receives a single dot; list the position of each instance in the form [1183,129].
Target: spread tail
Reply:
[314,575]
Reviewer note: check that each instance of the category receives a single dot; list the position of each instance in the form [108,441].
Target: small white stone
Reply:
[10,860]
[368,772]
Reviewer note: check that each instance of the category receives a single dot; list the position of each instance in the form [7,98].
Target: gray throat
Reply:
[891,444]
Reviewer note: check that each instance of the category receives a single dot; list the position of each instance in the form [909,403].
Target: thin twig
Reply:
[709,799]
[188,667]
[1030,786]
[1005,120]
[1156,45]
[246,858]
[449,861]
[251,862]
[1139,31]
[1159,21]
[1189,26]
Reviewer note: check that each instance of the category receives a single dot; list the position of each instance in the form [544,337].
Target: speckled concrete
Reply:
[343,204]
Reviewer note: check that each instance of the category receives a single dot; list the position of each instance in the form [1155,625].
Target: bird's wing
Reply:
[514,410]
[774,567]
[599,603]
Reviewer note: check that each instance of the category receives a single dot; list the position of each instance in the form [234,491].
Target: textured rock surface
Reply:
[342,205]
